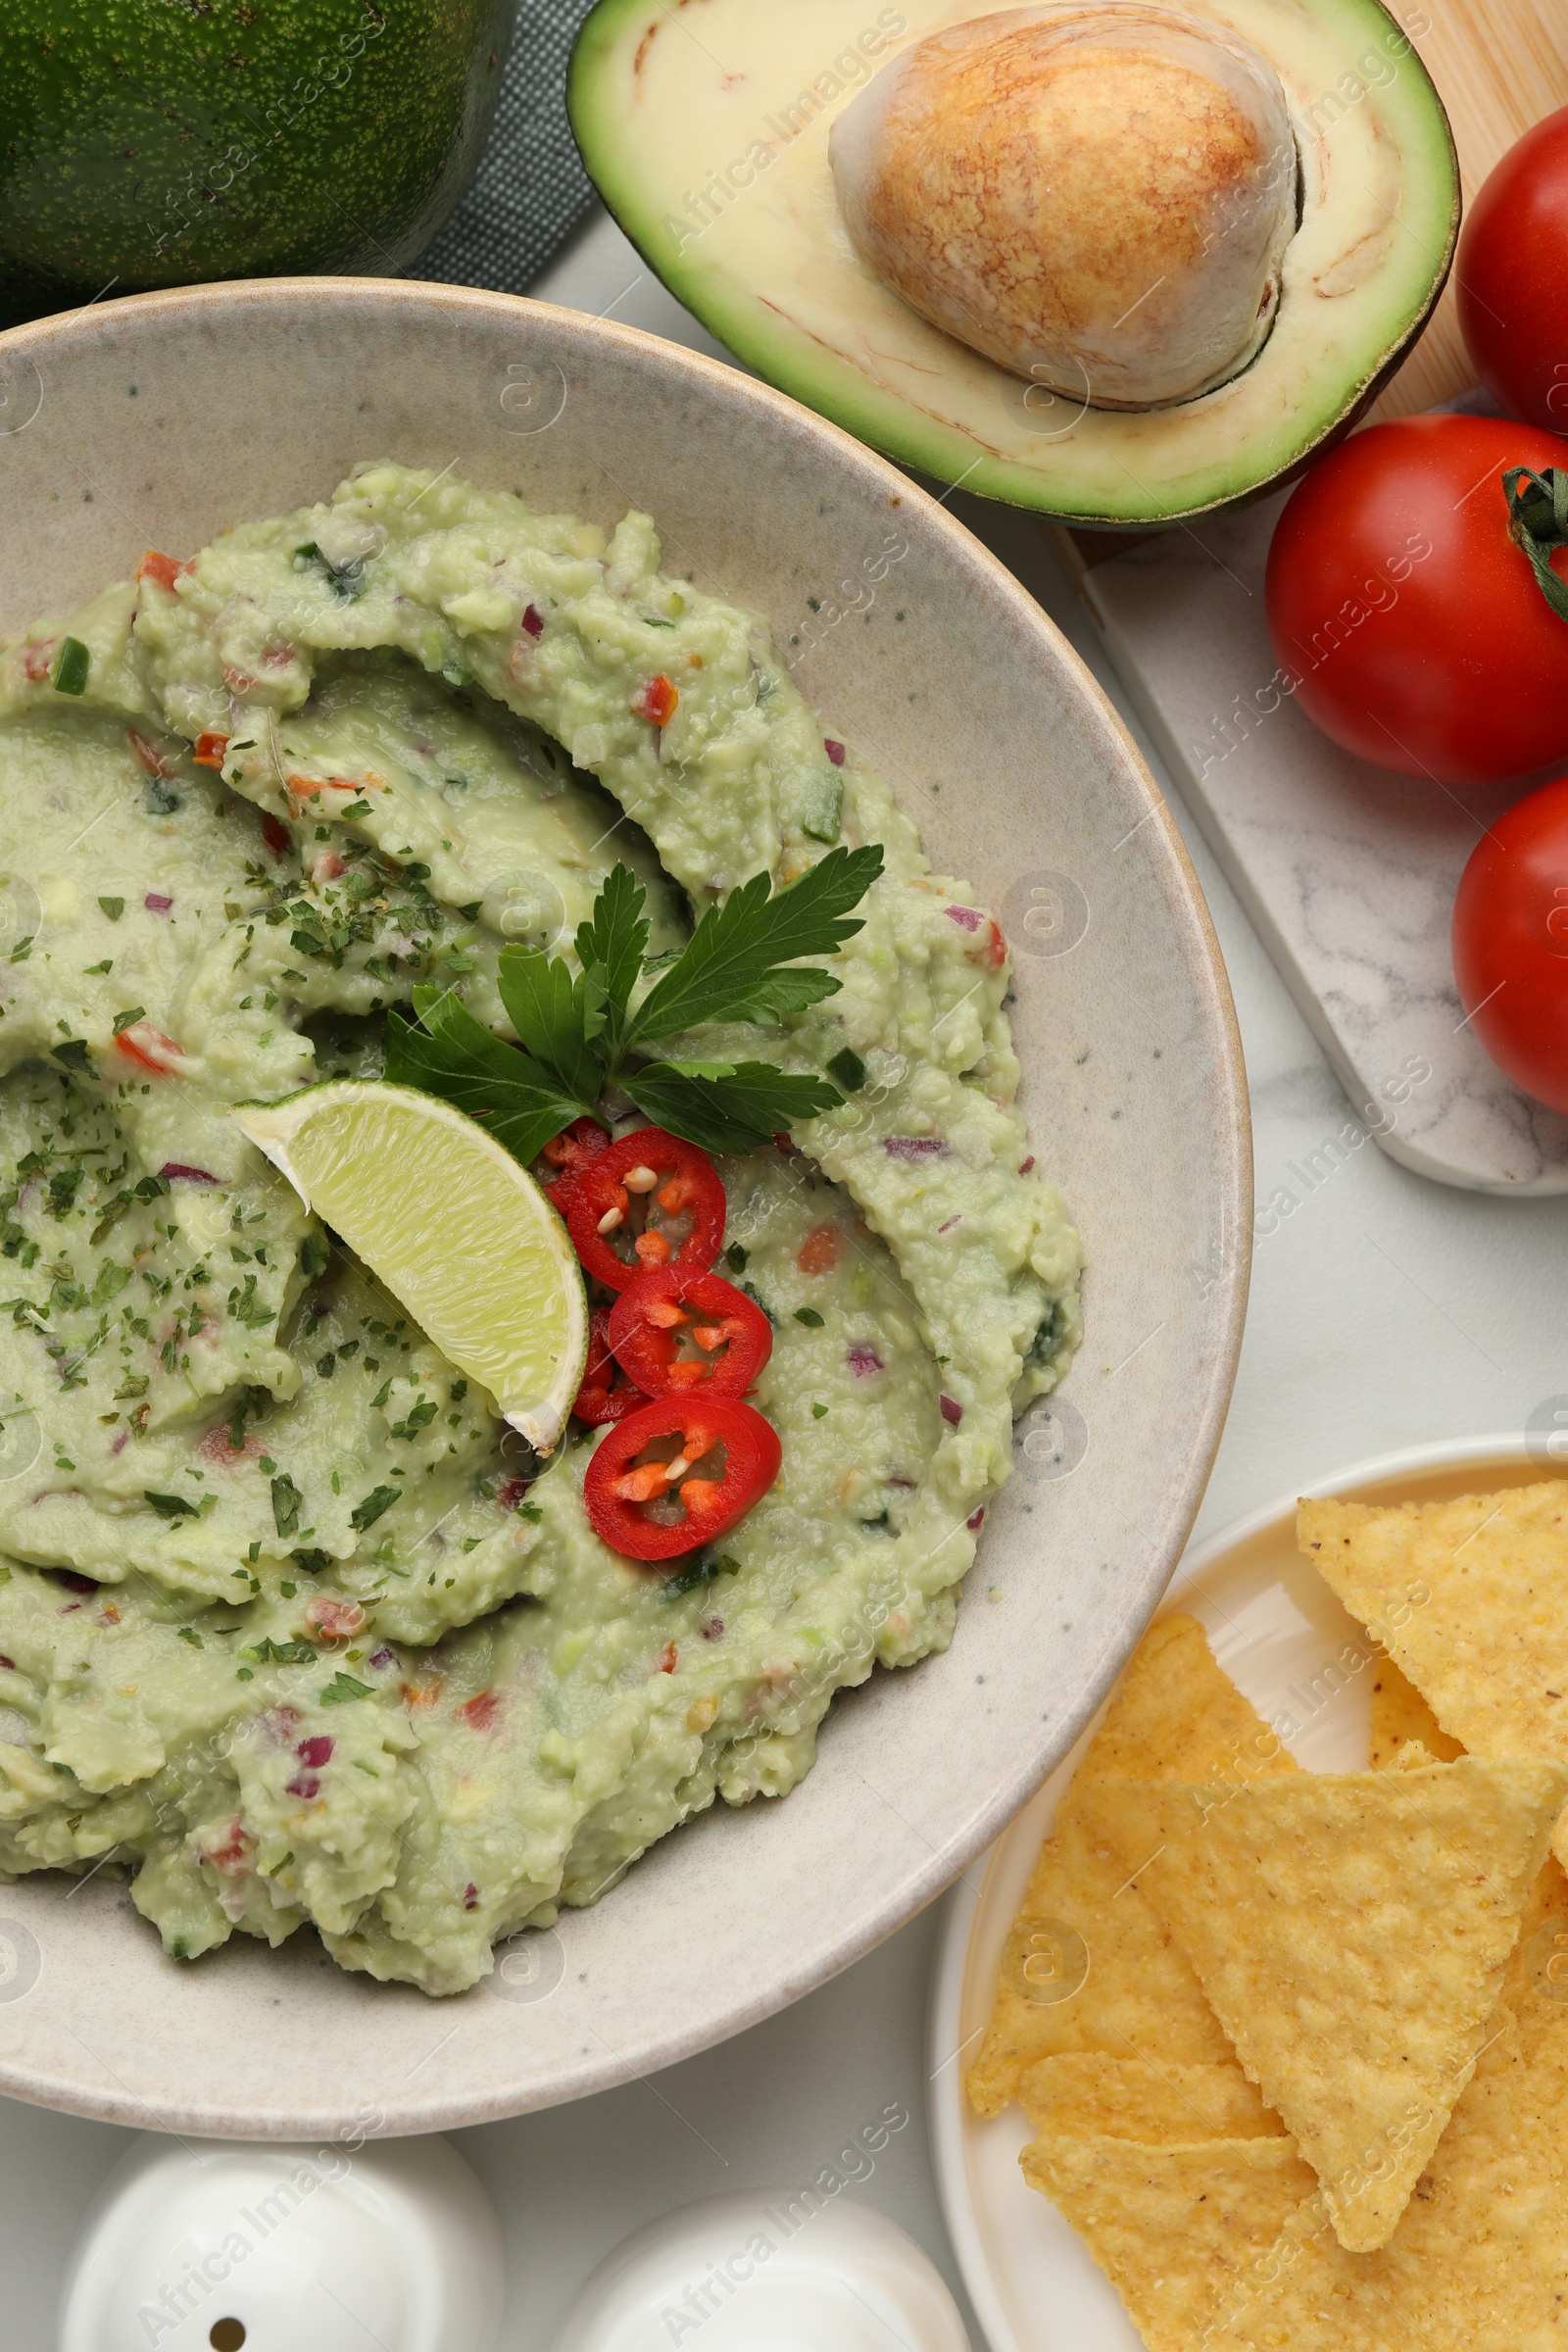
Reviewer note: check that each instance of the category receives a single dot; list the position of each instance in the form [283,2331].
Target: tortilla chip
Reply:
[1177,2231]
[1088,1966]
[1351,1932]
[1470,1598]
[1479,2260]
[1175,1715]
[1399,1714]
[1140,2099]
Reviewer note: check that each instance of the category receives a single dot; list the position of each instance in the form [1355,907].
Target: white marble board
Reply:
[1348,872]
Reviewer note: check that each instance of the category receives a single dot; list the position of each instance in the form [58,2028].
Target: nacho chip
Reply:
[1177,2231]
[1401,1715]
[1477,2264]
[1088,1966]
[1351,1932]
[1470,1598]
[1159,2106]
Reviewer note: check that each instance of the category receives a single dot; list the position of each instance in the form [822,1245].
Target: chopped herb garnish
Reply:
[288,1502]
[343,1686]
[169,1506]
[809,1316]
[280,1654]
[701,1570]
[346,580]
[112,908]
[364,1514]
[124,1020]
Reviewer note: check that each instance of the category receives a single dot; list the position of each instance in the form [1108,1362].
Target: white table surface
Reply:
[1385,1311]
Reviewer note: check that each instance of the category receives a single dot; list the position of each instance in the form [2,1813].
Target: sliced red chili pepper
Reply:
[676,1332]
[609,1392]
[570,1152]
[723,1456]
[659,1198]
[210,748]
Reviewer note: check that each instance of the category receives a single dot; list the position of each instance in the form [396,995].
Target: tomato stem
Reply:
[1538,518]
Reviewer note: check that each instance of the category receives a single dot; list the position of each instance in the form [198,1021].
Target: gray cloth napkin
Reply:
[531,189]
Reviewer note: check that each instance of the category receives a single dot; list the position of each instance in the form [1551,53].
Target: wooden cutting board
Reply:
[1500,65]
[1348,873]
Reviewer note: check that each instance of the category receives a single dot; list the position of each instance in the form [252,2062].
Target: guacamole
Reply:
[292,1627]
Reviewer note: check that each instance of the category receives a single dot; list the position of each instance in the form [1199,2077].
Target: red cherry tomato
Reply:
[607,1393]
[648,1200]
[1510,942]
[654,1319]
[1511,277]
[1411,622]
[728,1456]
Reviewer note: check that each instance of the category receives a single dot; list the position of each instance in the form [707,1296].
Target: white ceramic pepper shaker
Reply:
[766,2271]
[252,2246]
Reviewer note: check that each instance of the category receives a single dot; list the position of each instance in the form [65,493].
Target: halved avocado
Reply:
[705,128]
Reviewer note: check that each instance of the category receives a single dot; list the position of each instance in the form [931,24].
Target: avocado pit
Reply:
[1097,199]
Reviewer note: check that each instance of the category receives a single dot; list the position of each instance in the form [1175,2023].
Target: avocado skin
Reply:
[161,142]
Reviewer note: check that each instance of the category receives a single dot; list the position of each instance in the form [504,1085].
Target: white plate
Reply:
[1279,1633]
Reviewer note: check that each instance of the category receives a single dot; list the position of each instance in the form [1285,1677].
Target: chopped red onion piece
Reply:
[316,1751]
[834,751]
[913,1147]
[177,1173]
[156,904]
[970,918]
[863,1360]
[952,1409]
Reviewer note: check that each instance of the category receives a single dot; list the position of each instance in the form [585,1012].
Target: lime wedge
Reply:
[451,1223]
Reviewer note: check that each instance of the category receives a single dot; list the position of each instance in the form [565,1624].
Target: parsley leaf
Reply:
[736,1106]
[286,1502]
[343,1686]
[580,1033]
[557,1017]
[455,1056]
[615,939]
[169,1506]
[366,1514]
[728,970]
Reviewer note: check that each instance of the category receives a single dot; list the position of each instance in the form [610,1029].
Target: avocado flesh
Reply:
[712,154]
[161,142]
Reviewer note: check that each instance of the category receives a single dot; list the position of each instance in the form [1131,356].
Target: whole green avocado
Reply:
[158,143]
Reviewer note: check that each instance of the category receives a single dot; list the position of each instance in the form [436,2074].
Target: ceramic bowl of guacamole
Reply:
[350,634]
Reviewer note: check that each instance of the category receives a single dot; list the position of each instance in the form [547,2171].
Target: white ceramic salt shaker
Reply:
[251,2246]
[762,2270]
